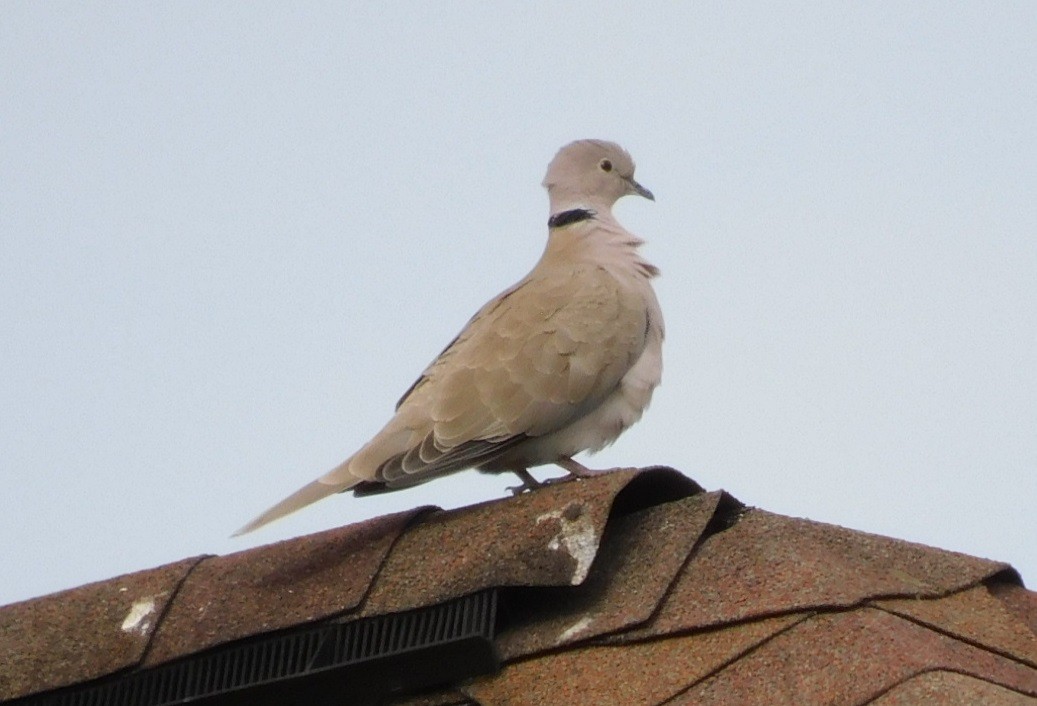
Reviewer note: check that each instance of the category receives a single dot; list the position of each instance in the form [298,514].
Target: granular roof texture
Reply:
[633,587]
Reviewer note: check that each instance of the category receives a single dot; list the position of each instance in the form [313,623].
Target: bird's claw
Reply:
[528,482]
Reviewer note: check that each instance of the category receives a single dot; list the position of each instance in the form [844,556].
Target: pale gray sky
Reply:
[233,233]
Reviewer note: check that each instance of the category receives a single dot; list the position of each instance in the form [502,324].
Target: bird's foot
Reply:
[576,469]
[528,482]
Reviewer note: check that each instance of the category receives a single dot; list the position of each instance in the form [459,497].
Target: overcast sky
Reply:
[232,234]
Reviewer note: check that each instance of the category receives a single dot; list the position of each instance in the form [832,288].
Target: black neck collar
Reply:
[574,215]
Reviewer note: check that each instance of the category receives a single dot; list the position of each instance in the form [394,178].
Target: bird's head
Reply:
[591,173]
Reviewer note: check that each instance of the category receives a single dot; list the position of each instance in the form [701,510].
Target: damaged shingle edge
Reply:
[361,661]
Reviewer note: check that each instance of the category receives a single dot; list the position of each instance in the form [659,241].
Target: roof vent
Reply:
[359,662]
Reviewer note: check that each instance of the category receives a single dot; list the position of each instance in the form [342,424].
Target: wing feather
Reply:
[530,362]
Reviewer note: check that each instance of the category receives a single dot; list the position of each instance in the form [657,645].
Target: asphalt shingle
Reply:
[973,615]
[641,554]
[276,586]
[85,632]
[850,658]
[545,538]
[768,564]
[633,587]
[951,689]
[630,674]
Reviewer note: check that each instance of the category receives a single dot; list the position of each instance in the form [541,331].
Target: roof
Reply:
[633,587]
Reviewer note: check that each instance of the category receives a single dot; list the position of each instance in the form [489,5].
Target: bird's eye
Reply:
[606,165]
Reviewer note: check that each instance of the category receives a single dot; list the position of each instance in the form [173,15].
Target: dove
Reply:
[560,363]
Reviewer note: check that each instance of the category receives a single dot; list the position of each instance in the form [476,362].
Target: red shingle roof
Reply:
[635,587]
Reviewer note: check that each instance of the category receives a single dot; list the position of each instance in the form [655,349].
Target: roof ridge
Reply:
[634,564]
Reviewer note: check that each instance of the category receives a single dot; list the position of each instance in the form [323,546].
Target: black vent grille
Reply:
[361,662]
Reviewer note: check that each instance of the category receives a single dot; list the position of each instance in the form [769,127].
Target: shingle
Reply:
[633,587]
[951,689]
[83,633]
[972,615]
[546,538]
[767,564]
[640,556]
[632,675]
[1022,603]
[276,586]
[850,658]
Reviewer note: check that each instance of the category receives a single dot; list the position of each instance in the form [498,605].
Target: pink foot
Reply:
[577,469]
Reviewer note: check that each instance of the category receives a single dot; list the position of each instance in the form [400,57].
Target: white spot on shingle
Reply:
[576,537]
[140,617]
[575,629]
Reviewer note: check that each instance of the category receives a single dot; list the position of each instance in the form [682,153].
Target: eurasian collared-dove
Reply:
[562,362]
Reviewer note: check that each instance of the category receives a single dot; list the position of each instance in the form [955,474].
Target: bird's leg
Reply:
[575,469]
[528,482]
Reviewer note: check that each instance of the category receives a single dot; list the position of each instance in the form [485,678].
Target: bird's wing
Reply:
[486,309]
[536,358]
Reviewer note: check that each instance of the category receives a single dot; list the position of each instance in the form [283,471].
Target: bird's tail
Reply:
[335,481]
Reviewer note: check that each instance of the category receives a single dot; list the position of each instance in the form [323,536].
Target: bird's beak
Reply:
[636,188]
